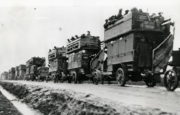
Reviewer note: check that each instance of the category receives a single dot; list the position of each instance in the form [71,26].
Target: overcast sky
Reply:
[31,27]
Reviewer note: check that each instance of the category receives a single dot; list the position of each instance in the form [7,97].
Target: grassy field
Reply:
[6,107]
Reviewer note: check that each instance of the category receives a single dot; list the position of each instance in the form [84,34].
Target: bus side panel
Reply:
[121,50]
[75,60]
[122,26]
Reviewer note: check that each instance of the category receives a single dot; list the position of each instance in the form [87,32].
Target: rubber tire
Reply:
[123,76]
[74,76]
[166,83]
[150,81]
[95,79]
[69,78]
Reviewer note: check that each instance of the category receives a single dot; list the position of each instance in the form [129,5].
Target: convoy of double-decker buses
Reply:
[137,46]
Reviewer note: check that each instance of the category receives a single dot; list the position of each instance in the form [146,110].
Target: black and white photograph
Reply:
[89,57]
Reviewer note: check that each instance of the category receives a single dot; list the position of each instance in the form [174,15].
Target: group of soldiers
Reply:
[110,21]
[77,37]
[114,18]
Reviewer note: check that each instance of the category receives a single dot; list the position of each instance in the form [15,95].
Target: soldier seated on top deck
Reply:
[72,38]
[161,18]
[83,36]
[106,23]
[158,19]
[126,12]
[69,40]
[112,19]
[76,36]
[119,16]
[144,54]
[140,11]
[88,33]
[134,10]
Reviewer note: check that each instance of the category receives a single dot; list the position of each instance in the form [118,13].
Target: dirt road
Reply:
[156,97]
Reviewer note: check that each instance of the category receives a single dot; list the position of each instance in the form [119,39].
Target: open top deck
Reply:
[134,20]
[86,42]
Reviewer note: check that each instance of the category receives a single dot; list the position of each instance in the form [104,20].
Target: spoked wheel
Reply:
[171,80]
[121,76]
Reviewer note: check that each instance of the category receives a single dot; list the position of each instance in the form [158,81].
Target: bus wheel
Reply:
[95,79]
[121,76]
[150,81]
[69,78]
[74,76]
[171,80]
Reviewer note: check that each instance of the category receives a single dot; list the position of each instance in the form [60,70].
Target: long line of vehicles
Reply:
[137,46]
